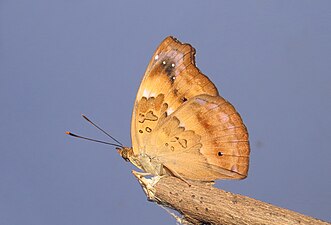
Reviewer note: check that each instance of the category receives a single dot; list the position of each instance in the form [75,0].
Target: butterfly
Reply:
[180,124]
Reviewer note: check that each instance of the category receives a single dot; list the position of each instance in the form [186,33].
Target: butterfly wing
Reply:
[204,139]
[170,80]
[180,119]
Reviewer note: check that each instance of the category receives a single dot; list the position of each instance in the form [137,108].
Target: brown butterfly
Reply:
[181,126]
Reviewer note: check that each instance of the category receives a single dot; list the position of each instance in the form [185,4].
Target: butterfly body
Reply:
[181,126]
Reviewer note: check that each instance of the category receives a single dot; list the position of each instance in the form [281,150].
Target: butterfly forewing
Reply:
[172,76]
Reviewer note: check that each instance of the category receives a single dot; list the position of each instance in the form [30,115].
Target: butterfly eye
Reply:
[219,153]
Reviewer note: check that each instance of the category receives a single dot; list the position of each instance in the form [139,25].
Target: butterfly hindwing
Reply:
[205,139]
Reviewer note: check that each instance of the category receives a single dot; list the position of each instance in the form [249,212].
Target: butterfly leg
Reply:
[141,174]
[175,174]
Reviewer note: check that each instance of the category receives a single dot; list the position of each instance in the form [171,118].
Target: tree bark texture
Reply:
[201,203]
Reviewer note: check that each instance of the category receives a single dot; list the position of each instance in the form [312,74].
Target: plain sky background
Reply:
[58,59]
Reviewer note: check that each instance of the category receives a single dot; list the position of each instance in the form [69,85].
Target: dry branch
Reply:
[205,204]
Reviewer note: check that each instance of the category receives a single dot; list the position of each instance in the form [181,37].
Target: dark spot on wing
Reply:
[169,67]
[183,99]
[175,91]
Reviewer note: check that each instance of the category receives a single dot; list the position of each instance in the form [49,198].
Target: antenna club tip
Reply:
[67,132]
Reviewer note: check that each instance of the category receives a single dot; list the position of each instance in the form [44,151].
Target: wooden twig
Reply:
[204,204]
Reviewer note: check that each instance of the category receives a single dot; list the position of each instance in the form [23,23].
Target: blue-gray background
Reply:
[58,59]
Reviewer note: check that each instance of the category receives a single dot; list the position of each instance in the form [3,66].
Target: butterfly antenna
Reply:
[90,139]
[99,128]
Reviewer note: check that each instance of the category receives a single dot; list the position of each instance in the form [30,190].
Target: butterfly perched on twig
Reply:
[181,126]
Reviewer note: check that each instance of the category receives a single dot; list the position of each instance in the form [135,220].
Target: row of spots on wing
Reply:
[182,99]
[147,129]
[182,142]
[170,59]
[151,103]
[176,140]
[169,67]
[149,109]
[164,111]
[147,116]
[180,139]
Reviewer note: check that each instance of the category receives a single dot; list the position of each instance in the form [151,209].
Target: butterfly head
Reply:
[125,152]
